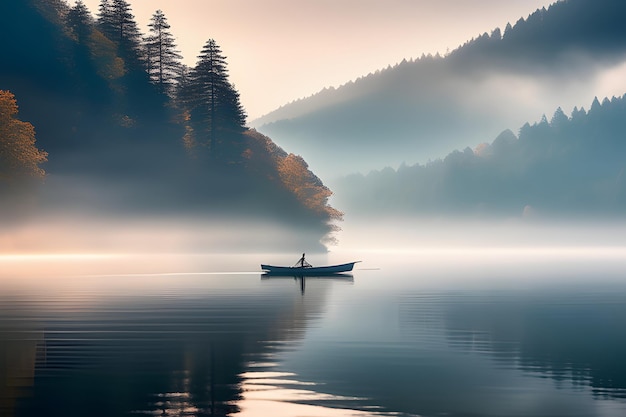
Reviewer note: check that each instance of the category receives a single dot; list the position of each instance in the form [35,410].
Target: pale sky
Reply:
[281,50]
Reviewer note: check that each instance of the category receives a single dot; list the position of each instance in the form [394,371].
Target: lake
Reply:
[467,331]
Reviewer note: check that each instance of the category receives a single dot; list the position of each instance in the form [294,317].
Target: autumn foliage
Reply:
[308,188]
[19,157]
[293,173]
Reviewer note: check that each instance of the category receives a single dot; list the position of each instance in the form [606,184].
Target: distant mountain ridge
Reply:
[422,109]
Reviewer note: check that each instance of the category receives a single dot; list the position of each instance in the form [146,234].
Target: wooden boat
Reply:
[299,271]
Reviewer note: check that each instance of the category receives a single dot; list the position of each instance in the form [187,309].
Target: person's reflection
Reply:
[302,284]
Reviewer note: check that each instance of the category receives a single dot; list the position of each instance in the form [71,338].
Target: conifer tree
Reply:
[163,60]
[79,20]
[105,19]
[117,22]
[559,120]
[213,100]
[139,99]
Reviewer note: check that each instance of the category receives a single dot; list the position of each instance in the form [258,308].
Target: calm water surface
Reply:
[465,332]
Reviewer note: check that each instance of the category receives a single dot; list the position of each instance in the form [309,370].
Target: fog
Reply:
[83,218]
[76,235]
[490,237]
[424,118]
[91,237]
[77,215]
[514,99]
[420,110]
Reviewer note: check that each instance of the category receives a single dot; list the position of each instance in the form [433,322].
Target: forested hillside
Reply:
[565,166]
[114,109]
[421,109]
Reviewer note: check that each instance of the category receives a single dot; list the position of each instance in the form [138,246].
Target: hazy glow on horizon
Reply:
[281,50]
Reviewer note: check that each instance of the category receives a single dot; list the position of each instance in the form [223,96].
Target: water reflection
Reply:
[20,350]
[100,342]
[477,337]
[576,336]
[267,392]
[301,280]
[566,331]
[106,361]
[460,338]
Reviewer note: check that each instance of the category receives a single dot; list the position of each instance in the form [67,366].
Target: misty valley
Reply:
[481,194]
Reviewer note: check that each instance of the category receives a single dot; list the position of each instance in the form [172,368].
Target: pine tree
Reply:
[105,19]
[213,100]
[163,60]
[139,99]
[559,120]
[79,20]
[117,22]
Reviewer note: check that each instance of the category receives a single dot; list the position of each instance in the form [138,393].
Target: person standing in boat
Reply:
[302,263]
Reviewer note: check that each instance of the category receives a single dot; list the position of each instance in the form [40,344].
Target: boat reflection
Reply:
[301,279]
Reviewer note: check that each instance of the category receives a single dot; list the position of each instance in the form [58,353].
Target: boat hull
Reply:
[307,271]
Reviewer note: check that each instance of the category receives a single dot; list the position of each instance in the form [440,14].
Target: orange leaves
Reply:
[293,172]
[308,188]
[8,107]
[271,161]
[19,157]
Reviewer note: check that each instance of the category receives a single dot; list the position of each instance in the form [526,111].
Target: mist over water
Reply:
[170,315]
[407,233]
[125,235]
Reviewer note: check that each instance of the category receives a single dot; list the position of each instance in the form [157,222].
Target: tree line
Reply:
[563,166]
